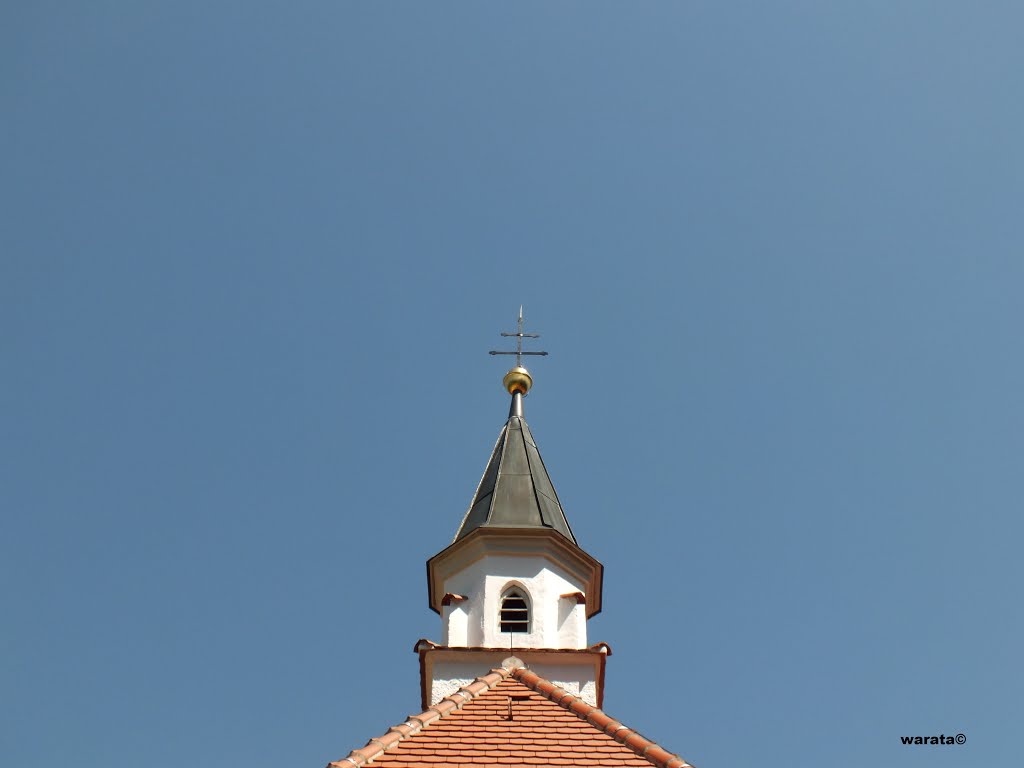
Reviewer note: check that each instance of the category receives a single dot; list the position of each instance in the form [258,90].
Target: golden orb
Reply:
[518,380]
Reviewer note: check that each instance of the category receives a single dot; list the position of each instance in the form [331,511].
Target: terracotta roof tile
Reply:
[549,726]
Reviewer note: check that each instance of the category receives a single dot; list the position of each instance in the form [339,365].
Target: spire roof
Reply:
[515,491]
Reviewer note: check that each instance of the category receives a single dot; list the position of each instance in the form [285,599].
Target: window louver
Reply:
[515,614]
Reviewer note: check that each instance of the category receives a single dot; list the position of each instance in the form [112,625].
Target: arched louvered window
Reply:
[515,611]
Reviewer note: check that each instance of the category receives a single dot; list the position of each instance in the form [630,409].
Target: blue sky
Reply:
[252,257]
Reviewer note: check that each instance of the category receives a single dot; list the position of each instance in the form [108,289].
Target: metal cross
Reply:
[519,336]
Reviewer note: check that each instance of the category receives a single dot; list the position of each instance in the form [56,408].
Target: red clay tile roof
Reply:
[548,727]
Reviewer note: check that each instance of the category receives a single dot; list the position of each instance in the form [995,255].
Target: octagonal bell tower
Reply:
[514,581]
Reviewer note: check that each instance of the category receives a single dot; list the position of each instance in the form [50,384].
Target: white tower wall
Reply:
[554,597]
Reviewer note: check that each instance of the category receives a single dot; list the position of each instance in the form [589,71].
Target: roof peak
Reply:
[482,703]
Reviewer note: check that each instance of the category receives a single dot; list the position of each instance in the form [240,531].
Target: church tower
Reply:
[514,581]
[513,682]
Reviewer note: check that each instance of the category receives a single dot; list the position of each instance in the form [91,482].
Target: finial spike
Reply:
[516,408]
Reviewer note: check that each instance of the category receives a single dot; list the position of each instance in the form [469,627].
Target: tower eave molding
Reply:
[515,542]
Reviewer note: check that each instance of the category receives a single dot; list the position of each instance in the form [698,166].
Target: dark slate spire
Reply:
[515,491]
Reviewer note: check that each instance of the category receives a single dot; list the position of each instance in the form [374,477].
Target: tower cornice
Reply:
[516,542]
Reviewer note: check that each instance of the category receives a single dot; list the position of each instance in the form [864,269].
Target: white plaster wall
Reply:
[572,622]
[578,679]
[455,625]
[553,623]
